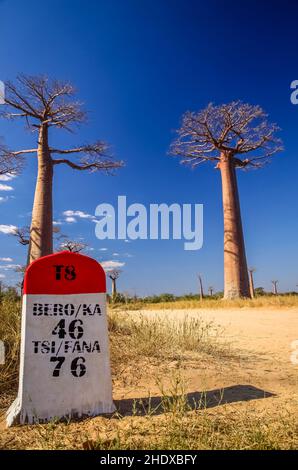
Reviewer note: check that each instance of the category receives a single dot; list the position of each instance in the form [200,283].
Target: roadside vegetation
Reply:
[149,349]
[191,301]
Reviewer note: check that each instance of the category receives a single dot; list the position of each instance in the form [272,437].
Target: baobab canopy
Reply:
[236,128]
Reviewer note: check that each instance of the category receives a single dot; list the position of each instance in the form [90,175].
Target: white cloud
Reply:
[115,254]
[3,199]
[57,222]
[70,220]
[80,214]
[109,265]
[2,276]
[5,187]
[7,177]
[7,267]
[8,229]
[6,259]
[103,249]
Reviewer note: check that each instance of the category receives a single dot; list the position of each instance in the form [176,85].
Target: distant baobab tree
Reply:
[251,282]
[23,236]
[233,136]
[274,283]
[47,105]
[210,290]
[113,275]
[72,246]
[201,290]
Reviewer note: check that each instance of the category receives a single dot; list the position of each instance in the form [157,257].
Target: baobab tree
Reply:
[274,284]
[72,246]
[23,236]
[233,136]
[251,282]
[47,105]
[113,275]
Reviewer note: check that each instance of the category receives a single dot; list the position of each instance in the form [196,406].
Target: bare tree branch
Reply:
[92,166]
[11,162]
[44,102]
[73,246]
[23,235]
[236,129]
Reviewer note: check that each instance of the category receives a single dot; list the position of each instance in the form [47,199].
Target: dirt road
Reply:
[263,338]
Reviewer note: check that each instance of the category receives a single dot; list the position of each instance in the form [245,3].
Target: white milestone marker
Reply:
[64,365]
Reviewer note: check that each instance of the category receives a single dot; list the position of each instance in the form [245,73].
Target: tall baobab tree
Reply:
[274,284]
[113,275]
[251,282]
[233,136]
[201,287]
[48,105]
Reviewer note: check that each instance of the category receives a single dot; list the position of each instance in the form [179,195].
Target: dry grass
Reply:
[132,340]
[137,336]
[10,322]
[177,424]
[270,301]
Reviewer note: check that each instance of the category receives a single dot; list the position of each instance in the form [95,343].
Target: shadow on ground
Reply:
[194,400]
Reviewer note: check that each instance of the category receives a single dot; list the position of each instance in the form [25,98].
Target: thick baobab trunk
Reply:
[236,282]
[114,289]
[41,230]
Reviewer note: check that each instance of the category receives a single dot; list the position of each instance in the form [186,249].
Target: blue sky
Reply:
[138,65]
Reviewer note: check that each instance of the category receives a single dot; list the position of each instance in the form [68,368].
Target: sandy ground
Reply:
[262,368]
[259,331]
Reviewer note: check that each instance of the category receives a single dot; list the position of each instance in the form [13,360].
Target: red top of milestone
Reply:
[64,273]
